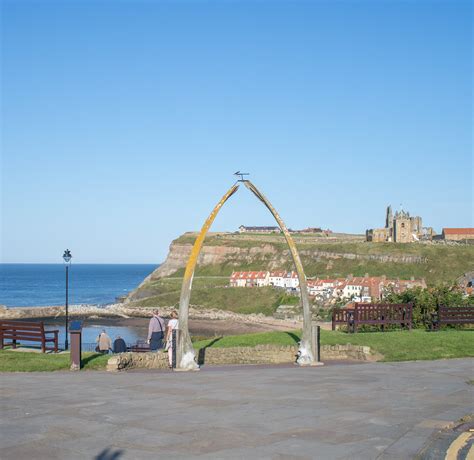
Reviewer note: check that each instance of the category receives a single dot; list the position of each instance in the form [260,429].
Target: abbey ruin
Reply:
[399,228]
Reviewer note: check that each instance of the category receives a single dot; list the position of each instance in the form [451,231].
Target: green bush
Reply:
[426,301]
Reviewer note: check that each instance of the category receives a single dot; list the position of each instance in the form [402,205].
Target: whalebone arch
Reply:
[185,351]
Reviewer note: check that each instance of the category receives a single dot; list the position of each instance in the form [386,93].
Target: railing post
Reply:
[174,341]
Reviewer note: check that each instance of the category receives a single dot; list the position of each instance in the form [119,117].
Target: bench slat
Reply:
[31,339]
[374,314]
[21,323]
[15,334]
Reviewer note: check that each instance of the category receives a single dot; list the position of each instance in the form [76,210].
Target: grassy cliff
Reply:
[321,257]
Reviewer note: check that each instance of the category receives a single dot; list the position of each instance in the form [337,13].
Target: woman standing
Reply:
[172,325]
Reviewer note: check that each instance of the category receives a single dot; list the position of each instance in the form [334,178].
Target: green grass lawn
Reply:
[394,346]
[15,361]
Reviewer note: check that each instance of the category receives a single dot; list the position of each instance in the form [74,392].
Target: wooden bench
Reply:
[342,317]
[27,331]
[374,314]
[452,315]
[139,347]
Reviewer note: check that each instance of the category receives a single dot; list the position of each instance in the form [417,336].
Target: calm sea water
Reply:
[24,285]
[90,333]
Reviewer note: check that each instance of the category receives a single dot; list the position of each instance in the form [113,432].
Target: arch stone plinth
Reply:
[185,356]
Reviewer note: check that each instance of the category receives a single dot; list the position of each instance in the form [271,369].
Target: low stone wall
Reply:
[122,361]
[261,354]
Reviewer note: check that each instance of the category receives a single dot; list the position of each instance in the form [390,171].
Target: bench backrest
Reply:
[378,312]
[456,314]
[340,315]
[28,327]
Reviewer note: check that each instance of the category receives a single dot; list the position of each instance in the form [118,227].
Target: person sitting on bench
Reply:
[119,345]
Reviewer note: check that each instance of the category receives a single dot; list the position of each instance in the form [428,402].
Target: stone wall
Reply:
[124,361]
[261,354]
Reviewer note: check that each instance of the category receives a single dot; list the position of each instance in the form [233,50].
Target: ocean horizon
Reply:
[38,285]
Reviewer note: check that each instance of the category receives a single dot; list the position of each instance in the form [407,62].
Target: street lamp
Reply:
[67,260]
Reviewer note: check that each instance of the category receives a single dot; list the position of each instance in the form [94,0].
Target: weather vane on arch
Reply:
[241,174]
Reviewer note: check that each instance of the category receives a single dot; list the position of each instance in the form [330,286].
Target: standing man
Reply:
[156,330]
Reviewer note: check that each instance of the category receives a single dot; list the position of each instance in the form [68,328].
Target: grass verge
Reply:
[16,361]
[394,346]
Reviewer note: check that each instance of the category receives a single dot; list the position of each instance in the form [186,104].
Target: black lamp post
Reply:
[67,260]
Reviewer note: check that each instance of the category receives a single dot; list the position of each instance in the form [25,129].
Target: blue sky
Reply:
[122,122]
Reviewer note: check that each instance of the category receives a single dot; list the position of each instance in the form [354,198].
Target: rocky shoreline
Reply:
[121,314]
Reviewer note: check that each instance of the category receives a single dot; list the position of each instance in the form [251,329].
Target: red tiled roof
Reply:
[249,275]
[458,231]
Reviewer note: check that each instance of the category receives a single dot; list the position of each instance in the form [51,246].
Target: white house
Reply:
[291,280]
[277,278]
[238,279]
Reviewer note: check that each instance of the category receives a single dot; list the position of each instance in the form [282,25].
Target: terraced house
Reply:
[279,279]
[249,279]
[359,288]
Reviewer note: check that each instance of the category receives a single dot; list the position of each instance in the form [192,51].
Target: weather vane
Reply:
[241,174]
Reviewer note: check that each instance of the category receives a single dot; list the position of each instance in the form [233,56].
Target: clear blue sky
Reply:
[122,122]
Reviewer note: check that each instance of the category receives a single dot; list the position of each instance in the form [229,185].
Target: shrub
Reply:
[426,301]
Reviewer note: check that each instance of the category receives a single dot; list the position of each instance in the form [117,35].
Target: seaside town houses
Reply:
[249,279]
[360,288]
[281,279]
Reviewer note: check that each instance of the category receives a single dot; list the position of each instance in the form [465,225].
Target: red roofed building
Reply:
[291,280]
[249,279]
[458,234]
[277,278]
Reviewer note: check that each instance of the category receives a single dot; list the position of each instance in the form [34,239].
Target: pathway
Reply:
[367,411]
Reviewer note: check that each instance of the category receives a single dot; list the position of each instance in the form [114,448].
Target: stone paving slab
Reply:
[369,411]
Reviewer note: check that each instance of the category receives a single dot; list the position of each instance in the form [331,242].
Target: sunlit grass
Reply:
[394,345]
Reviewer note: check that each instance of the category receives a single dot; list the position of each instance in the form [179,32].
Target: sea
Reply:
[36,285]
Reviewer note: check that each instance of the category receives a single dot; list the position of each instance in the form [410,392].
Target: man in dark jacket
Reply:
[156,330]
[119,345]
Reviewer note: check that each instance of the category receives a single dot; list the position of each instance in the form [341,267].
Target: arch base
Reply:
[185,355]
[305,355]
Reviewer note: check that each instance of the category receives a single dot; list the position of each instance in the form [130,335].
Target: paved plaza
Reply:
[360,411]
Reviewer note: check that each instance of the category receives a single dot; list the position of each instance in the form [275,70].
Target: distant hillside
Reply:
[335,256]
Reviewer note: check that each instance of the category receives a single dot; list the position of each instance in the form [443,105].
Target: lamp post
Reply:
[67,260]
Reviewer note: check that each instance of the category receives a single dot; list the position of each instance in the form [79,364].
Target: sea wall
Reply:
[261,354]
[58,311]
